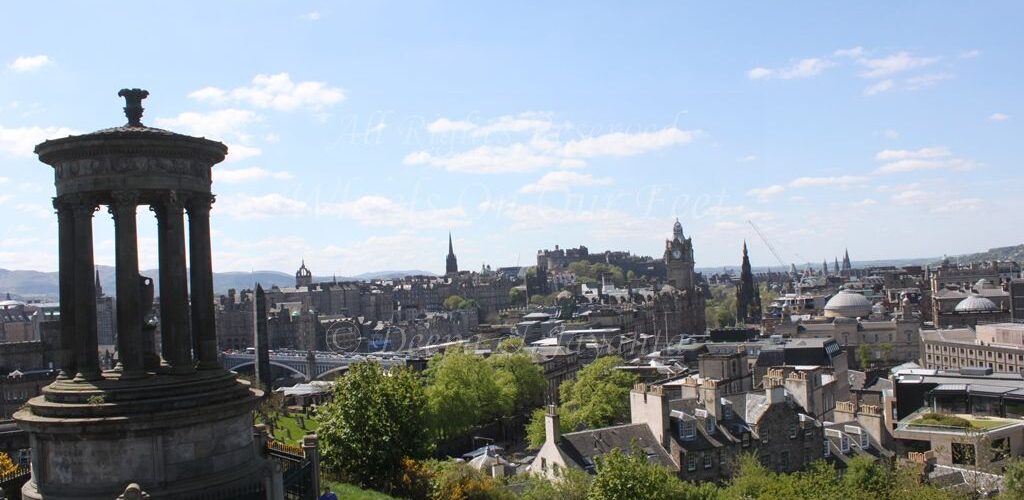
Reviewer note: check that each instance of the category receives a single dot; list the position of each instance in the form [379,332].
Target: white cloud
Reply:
[445,126]
[803,68]
[217,124]
[41,210]
[840,181]
[383,211]
[854,52]
[905,154]
[628,144]
[277,92]
[911,197]
[516,157]
[766,193]
[239,175]
[226,125]
[925,81]
[311,16]
[970,54]
[540,150]
[903,160]
[866,202]
[563,181]
[999,117]
[25,64]
[881,67]
[262,206]
[749,158]
[22,141]
[891,133]
[878,88]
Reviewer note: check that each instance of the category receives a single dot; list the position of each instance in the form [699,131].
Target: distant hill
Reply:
[1015,253]
[39,284]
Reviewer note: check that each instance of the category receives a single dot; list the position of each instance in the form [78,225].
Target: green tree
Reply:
[456,303]
[864,355]
[572,484]
[1013,481]
[624,476]
[520,381]
[461,392]
[511,344]
[598,397]
[725,317]
[517,297]
[374,420]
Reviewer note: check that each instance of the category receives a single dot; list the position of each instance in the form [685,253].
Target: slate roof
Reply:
[584,446]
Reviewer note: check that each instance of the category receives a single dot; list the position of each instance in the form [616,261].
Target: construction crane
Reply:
[767,244]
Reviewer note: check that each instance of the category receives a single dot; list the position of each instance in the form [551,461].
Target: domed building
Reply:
[975,303]
[848,304]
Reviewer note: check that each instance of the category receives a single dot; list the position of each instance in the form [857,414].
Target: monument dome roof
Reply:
[976,303]
[848,304]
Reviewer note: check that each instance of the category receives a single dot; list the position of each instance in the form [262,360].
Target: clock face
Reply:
[677,253]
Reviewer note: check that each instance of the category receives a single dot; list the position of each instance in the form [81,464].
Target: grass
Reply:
[287,429]
[941,420]
[351,492]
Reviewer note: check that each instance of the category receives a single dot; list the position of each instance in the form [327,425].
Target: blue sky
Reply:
[360,133]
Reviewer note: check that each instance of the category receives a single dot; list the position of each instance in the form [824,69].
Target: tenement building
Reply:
[697,436]
[998,346]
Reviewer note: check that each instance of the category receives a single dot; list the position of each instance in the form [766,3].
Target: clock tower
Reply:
[679,259]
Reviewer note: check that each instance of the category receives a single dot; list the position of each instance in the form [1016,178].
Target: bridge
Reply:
[311,365]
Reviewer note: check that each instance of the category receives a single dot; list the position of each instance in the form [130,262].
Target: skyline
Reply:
[359,137]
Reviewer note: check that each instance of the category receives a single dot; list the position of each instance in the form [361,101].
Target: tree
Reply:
[725,317]
[598,397]
[7,465]
[517,297]
[521,382]
[511,344]
[461,392]
[572,484]
[1013,481]
[374,421]
[623,476]
[864,355]
[457,303]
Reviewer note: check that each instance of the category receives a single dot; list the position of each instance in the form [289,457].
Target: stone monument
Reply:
[174,423]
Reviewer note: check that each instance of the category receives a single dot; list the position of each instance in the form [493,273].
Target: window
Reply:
[844,443]
[709,425]
[721,458]
[746,439]
[793,431]
[707,460]
[865,442]
[543,464]
[687,429]
[764,432]
[828,449]
[784,460]
[691,462]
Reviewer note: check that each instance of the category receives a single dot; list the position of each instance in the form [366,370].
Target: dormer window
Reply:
[727,411]
[793,431]
[844,443]
[828,449]
[865,443]
[687,429]
[764,432]
[709,425]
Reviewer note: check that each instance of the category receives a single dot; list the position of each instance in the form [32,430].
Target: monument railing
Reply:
[11,482]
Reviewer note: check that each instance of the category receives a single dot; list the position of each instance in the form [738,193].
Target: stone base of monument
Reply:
[176,436]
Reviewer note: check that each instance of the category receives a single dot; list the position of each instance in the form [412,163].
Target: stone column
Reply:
[174,322]
[66,263]
[129,314]
[86,356]
[204,328]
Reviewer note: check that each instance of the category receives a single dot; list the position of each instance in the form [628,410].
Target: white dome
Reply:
[976,303]
[847,304]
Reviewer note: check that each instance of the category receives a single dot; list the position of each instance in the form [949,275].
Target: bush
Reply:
[943,420]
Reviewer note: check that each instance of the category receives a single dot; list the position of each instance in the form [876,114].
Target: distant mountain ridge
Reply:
[44,284]
[1015,253]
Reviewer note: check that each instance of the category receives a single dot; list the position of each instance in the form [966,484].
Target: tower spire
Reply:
[451,263]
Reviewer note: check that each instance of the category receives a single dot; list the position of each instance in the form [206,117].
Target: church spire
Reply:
[99,287]
[677,230]
[451,263]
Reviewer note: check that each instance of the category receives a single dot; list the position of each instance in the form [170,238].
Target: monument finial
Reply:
[133,105]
